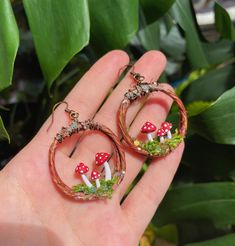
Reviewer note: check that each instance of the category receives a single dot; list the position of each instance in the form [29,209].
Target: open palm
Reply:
[33,212]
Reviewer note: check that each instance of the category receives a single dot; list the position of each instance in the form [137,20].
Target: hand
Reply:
[33,212]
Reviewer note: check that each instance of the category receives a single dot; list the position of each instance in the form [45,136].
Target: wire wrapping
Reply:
[126,102]
[119,166]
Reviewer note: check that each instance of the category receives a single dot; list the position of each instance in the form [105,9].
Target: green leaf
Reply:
[205,161]
[189,80]
[220,51]
[60,30]
[113,23]
[216,123]
[208,203]
[3,132]
[197,107]
[149,36]
[173,44]
[155,9]
[223,22]
[181,12]
[168,233]
[227,240]
[9,43]
[211,85]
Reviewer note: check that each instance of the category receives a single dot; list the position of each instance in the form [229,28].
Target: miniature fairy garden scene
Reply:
[163,143]
[97,186]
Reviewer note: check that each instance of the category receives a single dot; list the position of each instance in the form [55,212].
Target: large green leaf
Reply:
[227,240]
[155,9]
[9,42]
[209,202]
[216,123]
[113,23]
[149,35]
[197,107]
[3,132]
[181,12]
[219,51]
[223,22]
[60,29]
[211,85]
[204,161]
[173,44]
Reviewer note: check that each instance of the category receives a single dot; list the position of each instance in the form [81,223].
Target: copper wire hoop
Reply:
[119,166]
[140,90]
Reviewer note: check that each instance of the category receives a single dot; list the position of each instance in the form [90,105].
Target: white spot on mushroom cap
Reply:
[166,125]
[161,132]
[95,175]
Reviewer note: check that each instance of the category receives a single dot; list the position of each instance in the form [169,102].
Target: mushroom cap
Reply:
[81,168]
[166,126]
[95,175]
[101,158]
[148,127]
[161,132]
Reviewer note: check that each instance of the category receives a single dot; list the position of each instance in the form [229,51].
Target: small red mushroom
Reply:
[81,168]
[102,158]
[161,133]
[167,128]
[148,128]
[95,176]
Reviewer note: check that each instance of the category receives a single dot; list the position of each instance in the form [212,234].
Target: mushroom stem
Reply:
[149,136]
[161,139]
[108,174]
[169,135]
[86,181]
[97,183]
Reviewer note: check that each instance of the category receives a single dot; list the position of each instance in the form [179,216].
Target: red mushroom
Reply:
[95,176]
[82,169]
[148,128]
[167,128]
[161,133]
[102,158]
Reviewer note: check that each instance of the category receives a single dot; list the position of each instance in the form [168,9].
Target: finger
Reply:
[142,202]
[151,65]
[155,110]
[87,95]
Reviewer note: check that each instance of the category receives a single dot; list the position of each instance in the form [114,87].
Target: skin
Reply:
[33,212]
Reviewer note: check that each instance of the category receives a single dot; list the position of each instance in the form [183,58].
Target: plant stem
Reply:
[108,174]
[97,183]
[86,181]
[149,136]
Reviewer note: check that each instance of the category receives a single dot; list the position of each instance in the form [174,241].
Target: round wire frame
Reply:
[141,90]
[74,128]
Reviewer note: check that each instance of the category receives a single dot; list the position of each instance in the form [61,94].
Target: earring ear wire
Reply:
[72,113]
[122,69]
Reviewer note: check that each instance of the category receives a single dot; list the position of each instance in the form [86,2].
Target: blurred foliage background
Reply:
[46,46]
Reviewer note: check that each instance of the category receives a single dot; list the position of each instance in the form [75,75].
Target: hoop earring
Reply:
[100,185]
[154,147]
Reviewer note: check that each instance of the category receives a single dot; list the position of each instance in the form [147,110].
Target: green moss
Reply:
[105,189]
[156,148]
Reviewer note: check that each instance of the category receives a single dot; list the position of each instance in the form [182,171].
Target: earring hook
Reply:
[73,114]
[136,76]
[130,65]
